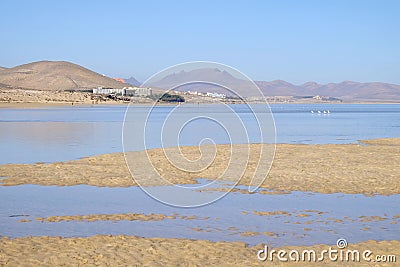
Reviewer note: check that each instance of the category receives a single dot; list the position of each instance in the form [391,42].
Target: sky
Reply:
[297,41]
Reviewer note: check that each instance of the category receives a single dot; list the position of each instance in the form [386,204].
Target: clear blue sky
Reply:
[297,41]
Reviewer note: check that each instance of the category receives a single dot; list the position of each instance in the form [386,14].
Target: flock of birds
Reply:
[321,112]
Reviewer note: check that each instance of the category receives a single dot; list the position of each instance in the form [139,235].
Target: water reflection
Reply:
[59,134]
[299,218]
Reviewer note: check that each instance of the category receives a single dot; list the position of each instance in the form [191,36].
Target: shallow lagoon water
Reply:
[66,133]
[59,134]
[225,219]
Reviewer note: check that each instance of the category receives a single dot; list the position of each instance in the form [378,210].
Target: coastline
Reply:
[38,105]
[18,98]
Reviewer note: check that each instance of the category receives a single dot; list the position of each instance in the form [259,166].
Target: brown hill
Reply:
[374,91]
[280,88]
[54,75]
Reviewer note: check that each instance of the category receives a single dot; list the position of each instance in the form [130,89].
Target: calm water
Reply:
[225,218]
[59,134]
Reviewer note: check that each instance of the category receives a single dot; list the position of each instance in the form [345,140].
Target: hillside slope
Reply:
[54,75]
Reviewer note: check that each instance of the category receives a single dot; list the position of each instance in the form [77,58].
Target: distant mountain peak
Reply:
[211,75]
[281,82]
[310,85]
[133,81]
[349,82]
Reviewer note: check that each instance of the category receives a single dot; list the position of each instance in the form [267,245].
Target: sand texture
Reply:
[369,168]
[121,250]
[117,217]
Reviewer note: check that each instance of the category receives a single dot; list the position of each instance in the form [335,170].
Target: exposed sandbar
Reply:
[372,167]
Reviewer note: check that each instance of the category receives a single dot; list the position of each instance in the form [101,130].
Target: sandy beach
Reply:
[104,250]
[370,167]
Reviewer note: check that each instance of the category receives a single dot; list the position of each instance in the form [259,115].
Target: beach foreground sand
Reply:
[371,167]
[104,250]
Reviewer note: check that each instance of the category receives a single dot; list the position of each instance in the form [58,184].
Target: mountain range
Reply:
[347,90]
[61,75]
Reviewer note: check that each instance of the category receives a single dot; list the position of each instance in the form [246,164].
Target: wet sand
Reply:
[369,168]
[107,217]
[117,217]
[122,250]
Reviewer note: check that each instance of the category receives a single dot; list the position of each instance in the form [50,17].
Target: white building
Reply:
[217,95]
[138,91]
[101,90]
[126,91]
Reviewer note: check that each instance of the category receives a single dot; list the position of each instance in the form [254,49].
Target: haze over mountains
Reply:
[61,75]
[347,90]
[133,81]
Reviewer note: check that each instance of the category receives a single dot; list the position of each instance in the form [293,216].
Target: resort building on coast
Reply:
[126,91]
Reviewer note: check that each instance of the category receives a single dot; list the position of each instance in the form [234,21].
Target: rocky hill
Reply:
[54,75]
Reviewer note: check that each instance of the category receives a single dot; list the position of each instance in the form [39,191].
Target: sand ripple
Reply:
[349,168]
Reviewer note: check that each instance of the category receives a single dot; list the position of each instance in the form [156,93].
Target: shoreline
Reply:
[19,98]
[28,105]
